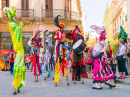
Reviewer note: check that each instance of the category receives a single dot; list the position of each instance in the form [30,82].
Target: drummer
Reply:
[79,69]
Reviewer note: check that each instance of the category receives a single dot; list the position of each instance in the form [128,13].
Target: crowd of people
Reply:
[59,60]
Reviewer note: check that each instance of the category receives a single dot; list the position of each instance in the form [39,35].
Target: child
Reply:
[27,61]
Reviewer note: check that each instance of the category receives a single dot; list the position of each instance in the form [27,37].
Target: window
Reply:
[123,22]
[46,6]
[126,18]
[25,4]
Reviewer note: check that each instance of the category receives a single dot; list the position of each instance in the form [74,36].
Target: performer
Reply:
[123,35]
[102,71]
[15,31]
[36,43]
[60,52]
[49,58]
[79,69]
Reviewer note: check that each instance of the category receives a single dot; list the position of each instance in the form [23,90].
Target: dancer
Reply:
[36,43]
[79,69]
[102,71]
[15,31]
[60,52]
[49,58]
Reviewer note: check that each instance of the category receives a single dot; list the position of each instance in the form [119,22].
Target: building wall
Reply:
[113,20]
[128,16]
[46,24]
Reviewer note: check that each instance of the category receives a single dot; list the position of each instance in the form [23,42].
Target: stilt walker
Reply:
[48,69]
[102,71]
[15,31]
[79,69]
[36,43]
[60,52]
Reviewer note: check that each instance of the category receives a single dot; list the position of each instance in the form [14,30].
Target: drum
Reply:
[79,46]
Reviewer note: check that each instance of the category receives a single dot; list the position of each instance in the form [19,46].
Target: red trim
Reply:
[6,51]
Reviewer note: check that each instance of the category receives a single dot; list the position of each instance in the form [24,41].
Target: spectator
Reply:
[109,53]
[11,62]
[121,53]
[128,55]
[90,61]
[40,62]
[43,57]
[6,61]
[31,61]
[27,61]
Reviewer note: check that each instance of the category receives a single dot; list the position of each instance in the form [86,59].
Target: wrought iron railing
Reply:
[52,13]
[21,13]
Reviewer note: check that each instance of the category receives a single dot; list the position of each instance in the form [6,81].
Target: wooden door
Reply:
[25,8]
[49,8]
[68,9]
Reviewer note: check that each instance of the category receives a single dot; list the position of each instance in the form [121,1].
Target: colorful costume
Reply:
[49,58]
[123,35]
[36,42]
[79,69]
[15,31]
[60,52]
[102,71]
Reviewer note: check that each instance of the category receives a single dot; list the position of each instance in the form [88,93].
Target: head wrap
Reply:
[60,25]
[76,28]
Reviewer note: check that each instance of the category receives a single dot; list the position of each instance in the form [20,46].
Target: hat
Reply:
[48,34]
[121,29]
[60,25]
[98,30]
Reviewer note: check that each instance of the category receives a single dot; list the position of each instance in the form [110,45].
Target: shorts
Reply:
[6,63]
[90,64]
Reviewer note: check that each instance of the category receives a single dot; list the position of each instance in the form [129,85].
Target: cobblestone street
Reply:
[47,88]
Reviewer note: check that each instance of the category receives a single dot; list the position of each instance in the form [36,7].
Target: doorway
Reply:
[49,8]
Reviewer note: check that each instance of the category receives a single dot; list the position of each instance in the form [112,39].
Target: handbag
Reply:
[128,54]
[119,58]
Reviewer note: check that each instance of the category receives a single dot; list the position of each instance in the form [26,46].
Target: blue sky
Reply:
[94,10]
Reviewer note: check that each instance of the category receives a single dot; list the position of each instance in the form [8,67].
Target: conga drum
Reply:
[79,46]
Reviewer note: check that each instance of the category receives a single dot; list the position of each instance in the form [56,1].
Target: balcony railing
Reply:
[21,13]
[52,13]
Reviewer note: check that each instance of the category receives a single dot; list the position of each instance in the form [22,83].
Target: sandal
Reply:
[123,77]
[119,77]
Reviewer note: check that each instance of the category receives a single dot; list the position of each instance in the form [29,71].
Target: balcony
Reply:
[20,13]
[52,13]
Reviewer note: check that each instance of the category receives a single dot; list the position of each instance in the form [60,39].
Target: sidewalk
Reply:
[125,81]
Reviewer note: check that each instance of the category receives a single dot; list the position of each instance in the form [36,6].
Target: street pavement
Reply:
[46,88]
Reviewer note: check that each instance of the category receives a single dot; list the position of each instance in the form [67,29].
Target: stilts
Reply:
[14,92]
[82,80]
[37,79]
[74,81]
[55,84]
[67,81]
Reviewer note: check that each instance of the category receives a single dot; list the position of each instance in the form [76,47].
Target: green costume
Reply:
[15,31]
[124,35]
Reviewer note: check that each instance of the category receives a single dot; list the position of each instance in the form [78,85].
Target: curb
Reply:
[123,81]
